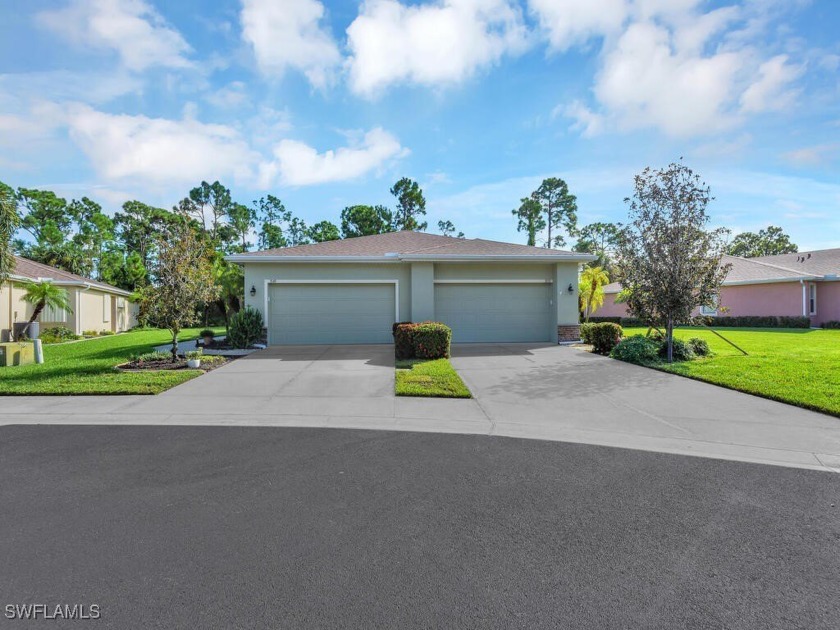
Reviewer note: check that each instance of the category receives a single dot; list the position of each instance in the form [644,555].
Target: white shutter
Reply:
[54,315]
[106,308]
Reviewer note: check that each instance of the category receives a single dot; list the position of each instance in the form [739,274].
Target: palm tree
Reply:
[592,282]
[42,295]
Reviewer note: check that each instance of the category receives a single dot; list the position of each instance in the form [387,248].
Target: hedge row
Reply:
[742,321]
[426,340]
[832,325]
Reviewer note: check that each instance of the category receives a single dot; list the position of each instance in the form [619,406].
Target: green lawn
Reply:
[796,366]
[436,379]
[87,367]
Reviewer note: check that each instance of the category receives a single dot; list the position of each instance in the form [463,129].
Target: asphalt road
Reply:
[217,527]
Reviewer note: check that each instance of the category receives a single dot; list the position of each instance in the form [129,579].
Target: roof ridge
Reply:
[766,264]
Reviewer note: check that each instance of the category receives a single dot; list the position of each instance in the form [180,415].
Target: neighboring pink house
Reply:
[806,284]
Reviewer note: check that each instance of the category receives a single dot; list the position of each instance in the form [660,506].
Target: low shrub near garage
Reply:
[700,347]
[832,325]
[604,337]
[58,335]
[637,349]
[586,332]
[403,333]
[431,340]
[246,328]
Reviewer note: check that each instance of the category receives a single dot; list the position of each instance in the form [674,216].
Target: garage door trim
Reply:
[268,283]
[493,281]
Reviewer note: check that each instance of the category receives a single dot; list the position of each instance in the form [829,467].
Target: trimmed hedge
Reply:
[740,321]
[432,340]
[757,321]
[605,336]
[682,350]
[403,333]
[832,325]
[586,332]
[426,340]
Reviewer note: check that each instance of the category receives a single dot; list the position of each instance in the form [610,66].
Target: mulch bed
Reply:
[181,364]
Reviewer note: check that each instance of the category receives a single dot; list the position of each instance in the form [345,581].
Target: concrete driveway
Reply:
[540,391]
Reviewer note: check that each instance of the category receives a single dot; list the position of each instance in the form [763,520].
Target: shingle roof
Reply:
[783,268]
[31,270]
[821,262]
[408,244]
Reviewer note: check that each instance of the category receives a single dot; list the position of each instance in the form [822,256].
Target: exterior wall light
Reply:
[254,290]
[571,288]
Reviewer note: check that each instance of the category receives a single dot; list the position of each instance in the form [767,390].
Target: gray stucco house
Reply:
[353,290]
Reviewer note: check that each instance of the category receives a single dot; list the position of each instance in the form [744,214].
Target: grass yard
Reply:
[87,367]
[796,366]
[436,379]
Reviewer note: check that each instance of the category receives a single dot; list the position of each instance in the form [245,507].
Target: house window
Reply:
[812,299]
[54,315]
[710,310]
[106,308]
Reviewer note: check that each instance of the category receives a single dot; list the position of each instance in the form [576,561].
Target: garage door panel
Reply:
[495,312]
[331,313]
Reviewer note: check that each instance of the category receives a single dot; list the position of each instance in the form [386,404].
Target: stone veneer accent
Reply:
[567,333]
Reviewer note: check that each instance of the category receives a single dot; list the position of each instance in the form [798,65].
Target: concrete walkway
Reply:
[530,391]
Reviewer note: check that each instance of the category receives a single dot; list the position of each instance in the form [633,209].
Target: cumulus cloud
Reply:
[771,91]
[158,150]
[569,22]
[298,164]
[443,42]
[131,28]
[667,65]
[289,35]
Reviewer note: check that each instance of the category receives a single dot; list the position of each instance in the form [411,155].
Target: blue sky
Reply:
[325,103]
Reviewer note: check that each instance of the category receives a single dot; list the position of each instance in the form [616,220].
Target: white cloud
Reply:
[289,35]
[818,155]
[232,95]
[443,42]
[298,164]
[131,28]
[569,22]
[158,150]
[771,90]
[645,82]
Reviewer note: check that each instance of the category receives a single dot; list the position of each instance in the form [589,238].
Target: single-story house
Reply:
[96,305]
[352,291]
[805,284]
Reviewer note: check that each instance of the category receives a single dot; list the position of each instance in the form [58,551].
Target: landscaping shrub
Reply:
[431,340]
[604,320]
[832,325]
[586,332]
[57,335]
[699,347]
[682,350]
[90,333]
[206,333]
[403,340]
[157,355]
[246,328]
[106,333]
[636,349]
[757,321]
[605,337]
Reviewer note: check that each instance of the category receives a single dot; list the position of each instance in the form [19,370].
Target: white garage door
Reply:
[495,312]
[330,313]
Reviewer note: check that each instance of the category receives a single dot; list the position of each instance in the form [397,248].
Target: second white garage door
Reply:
[495,312]
[330,313]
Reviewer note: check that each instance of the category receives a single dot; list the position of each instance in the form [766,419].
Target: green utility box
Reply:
[15,353]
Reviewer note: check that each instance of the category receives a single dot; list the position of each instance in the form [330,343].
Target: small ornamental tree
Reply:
[670,262]
[592,283]
[184,281]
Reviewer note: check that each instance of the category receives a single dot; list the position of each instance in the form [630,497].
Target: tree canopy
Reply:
[767,242]
[670,261]
[411,205]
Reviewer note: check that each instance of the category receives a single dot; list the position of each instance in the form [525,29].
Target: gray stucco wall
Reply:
[416,281]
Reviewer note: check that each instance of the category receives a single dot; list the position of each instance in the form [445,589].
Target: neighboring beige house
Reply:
[353,290]
[96,305]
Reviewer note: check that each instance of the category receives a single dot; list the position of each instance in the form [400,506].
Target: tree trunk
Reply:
[174,332]
[38,308]
[669,336]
